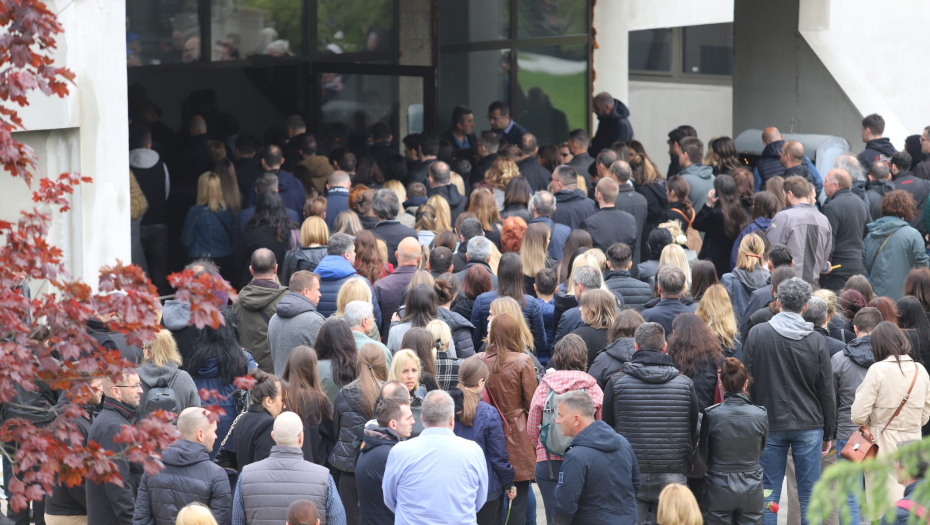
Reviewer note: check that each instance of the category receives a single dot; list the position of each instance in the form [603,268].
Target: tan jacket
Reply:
[880,394]
[138,205]
[512,390]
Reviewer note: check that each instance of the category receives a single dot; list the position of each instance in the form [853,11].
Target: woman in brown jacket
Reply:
[510,388]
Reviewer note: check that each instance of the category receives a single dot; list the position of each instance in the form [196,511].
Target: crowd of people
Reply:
[432,333]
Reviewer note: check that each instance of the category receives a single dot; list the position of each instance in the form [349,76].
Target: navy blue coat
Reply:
[615,127]
[531,312]
[488,432]
[337,201]
[207,233]
[599,479]
[665,312]
[334,271]
[290,189]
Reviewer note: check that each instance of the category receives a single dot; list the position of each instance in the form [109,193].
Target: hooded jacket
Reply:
[888,267]
[462,333]
[792,375]
[108,503]
[769,163]
[647,386]
[610,360]
[334,271]
[349,419]
[614,127]
[917,187]
[455,199]
[183,386]
[879,149]
[849,369]
[599,479]
[572,207]
[807,234]
[369,473]
[740,285]
[635,293]
[701,179]
[189,477]
[152,175]
[296,322]
[301,259]
[487,430]
[760,224]
[257,303]
[65,500]
[175,316]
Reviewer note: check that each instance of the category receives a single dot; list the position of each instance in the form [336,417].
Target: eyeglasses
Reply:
[136,386]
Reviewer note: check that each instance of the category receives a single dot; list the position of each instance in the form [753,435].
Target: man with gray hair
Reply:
[586,278]
[361,320]
[465,229]
[848,216]
[573,205]
[816,314]
[671,284]
[386,207]
[856,172]
[478,254]
[189,475]
[417,476]
[337,196]
[600,468]
[542,206]
[267,488]
[335,270]
[651,384]
[440,183]
[793,379]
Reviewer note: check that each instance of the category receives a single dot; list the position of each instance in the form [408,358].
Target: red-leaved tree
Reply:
[44,454]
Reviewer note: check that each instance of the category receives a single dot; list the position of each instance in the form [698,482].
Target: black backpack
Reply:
[162,397]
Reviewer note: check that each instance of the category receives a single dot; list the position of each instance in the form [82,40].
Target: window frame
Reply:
[676,75]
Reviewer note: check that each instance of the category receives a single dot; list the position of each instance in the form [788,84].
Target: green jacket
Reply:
[255,308]
[362,339]
[903,250]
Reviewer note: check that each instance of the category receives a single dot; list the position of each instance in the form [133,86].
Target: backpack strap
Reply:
[264,317]
[911,507]
[175,376]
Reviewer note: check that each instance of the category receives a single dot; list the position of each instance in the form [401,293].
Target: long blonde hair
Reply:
[210,192]
[716,311]
[314,231]
[355,289]
[533,251]
[164,350]
[442,213]
[501,172]
[509,305]
[677,506]
[400,360]
[675,255]
[495,258]
[751,250]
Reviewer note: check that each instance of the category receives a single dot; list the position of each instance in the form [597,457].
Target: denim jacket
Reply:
[208,234]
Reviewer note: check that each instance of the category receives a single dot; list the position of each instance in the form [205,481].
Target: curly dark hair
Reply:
[900,204]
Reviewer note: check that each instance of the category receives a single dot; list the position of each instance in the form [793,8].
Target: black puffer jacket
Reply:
[655,408]
[349,418]
[108,503]
[462,332]
[301,259]
[733,436]
[611,359]
[635,293]
[188,477]
[376,446]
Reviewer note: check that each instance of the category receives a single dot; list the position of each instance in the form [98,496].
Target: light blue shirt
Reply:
[436,478]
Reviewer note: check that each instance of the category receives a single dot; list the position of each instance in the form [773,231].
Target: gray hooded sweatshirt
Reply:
[183,385]
[701,180]
[849,369]
[295,323]
[791,325]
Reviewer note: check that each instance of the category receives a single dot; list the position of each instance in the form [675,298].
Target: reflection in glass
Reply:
[161,32]
[475,80]
[552,90]
[708,49]
[245,28]
[651,50]
[539,18]
[473,21]
[355,26]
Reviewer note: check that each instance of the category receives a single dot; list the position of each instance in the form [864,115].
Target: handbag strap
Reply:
[882,247]
[229,432]
[903,401]
[685,216]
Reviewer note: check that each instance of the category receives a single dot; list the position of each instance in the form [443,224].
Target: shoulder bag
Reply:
[694,237]
[861,445]
[224,458]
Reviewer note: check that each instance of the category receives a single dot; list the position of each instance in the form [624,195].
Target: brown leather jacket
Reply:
[511,391]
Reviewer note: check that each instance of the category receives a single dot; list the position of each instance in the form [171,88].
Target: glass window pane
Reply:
[475,80]
[162,32]
[245,28]
[708,50]
[365,27]
[651,50]
[473,21]
[538,18]
[553,92]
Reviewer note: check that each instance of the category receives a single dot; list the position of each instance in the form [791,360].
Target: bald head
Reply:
[288,430]
[195,426]
[339,179]
[621,171]
[263,264]
[607,190]
[841,177]
[770,135]
[792,154]
[408,252]
[879,171]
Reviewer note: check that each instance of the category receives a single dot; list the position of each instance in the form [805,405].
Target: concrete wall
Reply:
[84,132]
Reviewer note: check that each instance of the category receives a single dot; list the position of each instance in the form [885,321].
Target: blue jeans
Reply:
[547,484]
[851,500]
[806,447]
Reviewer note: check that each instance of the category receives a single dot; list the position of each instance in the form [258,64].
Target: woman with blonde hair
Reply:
[161,361]
[511,385]
[196,514]
[354,406]
[447,367]
[406,368]
[675,255]
[347,222]
[208,227]
[717,312]
[499,175]
[677,506]
[226,170]
[398,188]
[598,310]
[354,290]
[442,213]
[426,225]
[534,250]
[749,275]
[837,325]
[675,228]
[314,234]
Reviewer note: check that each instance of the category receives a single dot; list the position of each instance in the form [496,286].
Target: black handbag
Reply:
[224,458]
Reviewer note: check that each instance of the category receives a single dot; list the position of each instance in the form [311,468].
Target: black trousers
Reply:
[348,493]
[490,513]
[155,245]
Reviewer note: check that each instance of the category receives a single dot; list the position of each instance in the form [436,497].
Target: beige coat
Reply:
[877,398]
